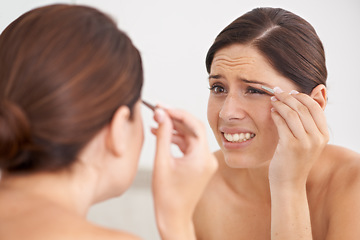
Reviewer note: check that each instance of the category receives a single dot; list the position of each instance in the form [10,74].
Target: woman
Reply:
[277,177]
[71,130]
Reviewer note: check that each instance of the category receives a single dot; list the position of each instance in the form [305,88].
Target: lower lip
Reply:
[235,145]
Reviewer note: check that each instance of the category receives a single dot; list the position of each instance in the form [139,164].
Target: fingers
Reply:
[184,123]
[290,122]
[187,132]
[164,135]
[315,110]
[283,130]
[176,139]
[300,113]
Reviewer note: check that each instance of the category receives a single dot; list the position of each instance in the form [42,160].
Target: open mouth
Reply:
[238,137]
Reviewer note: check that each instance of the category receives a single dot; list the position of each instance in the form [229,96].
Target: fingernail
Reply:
[160,115]
[294,92]
[272,109]
[278,90]
[273,98]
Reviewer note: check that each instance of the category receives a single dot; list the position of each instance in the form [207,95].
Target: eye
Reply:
[217,89]
[252,90]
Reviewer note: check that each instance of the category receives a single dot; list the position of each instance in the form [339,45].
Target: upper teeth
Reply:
[238,137]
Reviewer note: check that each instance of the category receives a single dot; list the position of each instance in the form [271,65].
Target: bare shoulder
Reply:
[88,231]
[216,182]
[342,153]
[342,185]
[338,168]
[345,164]
[94,232]
[209,195]
[36,219]
[73,228]
[207,218]
[343,192]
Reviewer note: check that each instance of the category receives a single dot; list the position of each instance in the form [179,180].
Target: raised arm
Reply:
[178,183]
[303,135]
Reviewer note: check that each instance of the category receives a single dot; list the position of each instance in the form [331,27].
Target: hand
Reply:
[178,183]
[303,134]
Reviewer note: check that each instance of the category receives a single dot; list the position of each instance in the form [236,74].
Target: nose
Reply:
[232,109]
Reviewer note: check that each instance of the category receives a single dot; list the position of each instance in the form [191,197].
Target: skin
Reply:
[286,182]
[53,205]
[66,195]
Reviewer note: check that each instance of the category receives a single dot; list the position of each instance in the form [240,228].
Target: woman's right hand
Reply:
[178,182]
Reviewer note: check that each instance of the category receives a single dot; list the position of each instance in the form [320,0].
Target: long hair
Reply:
[64,71]
[287,41]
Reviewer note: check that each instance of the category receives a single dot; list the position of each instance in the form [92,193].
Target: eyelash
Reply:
[216,86]
[252,90]
[249,90]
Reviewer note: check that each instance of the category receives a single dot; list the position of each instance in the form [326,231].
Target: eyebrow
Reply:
[253,82]
[218,76]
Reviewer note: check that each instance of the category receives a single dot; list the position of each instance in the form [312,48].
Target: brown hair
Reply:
[288,42]
[64,71]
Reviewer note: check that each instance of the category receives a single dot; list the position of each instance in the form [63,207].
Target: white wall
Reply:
[174,36]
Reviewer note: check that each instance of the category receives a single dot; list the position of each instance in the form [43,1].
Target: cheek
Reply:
[260,114]
[263,114]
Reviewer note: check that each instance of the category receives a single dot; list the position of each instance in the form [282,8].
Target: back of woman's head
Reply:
[64,71]
[288,42]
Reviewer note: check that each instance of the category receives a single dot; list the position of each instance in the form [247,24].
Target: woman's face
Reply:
[238,108]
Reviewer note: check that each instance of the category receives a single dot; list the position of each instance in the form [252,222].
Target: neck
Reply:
[63,188]
[249,183]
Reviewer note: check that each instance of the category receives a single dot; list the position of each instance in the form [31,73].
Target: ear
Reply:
[117,137]
[319,94]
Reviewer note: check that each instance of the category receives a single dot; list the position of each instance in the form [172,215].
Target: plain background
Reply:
[173,38]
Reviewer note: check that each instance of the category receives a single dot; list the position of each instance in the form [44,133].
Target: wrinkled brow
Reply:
[219,76]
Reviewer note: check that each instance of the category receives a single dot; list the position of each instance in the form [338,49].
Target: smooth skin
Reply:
[286,182]
[178,182]
[53,205]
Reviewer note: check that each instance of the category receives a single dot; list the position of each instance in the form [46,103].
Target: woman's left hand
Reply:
[303,134]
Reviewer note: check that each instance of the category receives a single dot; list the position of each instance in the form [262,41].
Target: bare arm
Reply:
[178,183]
[290,216]
[303,135]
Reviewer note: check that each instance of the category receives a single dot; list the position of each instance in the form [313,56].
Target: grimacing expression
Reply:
[239,111]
